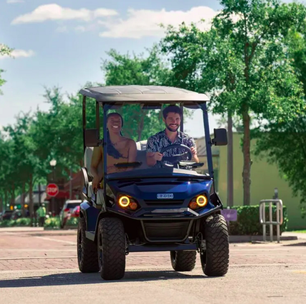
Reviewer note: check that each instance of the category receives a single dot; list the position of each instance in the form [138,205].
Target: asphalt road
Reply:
[41,267]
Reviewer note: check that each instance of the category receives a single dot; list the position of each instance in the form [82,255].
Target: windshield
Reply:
[150,139]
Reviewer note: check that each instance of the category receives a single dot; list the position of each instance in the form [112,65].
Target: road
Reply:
[41,266]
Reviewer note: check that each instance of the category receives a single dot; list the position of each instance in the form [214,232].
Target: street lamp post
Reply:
[53,164]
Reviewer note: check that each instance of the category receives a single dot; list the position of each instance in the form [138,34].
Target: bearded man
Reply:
[172,116]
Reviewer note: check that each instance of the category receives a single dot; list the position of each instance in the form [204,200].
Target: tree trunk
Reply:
[246,174]
[1,204]
[13,197]
[22,200]
[31,205]
[230,177]
[5,200]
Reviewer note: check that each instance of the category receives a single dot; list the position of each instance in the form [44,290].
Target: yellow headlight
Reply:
[201,200]
[124,201]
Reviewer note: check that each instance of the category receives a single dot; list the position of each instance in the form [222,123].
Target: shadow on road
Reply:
[94,278]
[296,244]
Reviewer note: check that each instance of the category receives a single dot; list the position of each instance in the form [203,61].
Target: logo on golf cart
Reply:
[165,195]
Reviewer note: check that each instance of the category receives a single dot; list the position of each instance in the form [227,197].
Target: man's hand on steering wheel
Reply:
[175,159]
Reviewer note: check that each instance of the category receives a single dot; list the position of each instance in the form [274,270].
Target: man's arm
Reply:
[191,144]
[152,153]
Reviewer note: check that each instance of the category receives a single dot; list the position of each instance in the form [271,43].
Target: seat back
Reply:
[142,157]
[87,161]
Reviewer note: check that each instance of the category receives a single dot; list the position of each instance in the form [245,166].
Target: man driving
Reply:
[172,116]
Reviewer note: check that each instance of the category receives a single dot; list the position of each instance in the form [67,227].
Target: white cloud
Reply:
[141,23]
[14,1]
[56,12]
[19,54]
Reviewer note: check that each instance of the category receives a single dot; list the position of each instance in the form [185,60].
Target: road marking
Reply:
[300,271]
[39,258]
[36,250]
[54,240]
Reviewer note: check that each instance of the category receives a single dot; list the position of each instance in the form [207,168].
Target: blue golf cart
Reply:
[170,207]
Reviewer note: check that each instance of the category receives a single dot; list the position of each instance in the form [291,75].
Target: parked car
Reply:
[67,211]
[76,212]
[6,215]
[16,214]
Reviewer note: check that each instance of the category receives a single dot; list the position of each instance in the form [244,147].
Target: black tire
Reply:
[87,250]
[183,260]
[215,259]
[111,249]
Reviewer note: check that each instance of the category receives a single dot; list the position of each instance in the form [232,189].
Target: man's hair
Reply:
[172,109]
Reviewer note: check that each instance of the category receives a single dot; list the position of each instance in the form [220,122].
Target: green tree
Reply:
[4,50]
[152,69]
[284,143]
[243,62]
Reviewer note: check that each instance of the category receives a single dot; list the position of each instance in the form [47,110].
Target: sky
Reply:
[63,43]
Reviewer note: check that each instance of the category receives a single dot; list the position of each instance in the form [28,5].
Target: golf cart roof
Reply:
[148,95]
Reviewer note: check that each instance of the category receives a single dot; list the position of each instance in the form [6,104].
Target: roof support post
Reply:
[182,119]
[84,121]
[208,141]
[98,118]
[106,107]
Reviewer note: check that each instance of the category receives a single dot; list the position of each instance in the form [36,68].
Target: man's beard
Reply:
[171,130]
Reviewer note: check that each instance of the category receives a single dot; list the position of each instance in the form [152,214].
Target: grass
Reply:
[297,231]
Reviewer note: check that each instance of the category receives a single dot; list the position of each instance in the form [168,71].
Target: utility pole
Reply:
[230,175]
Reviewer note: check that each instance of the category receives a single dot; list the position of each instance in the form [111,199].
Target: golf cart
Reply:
[169,207]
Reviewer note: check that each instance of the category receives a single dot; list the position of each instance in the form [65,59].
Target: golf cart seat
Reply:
[142,154]
[98,199]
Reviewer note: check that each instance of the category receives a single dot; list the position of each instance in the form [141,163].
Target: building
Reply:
[264,179]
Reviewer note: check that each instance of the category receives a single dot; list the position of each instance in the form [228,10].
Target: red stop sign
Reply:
[52,190]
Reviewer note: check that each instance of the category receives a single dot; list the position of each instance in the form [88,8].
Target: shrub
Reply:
[248,221]
[6,223]
[72,222]
[23,221]
[52,222]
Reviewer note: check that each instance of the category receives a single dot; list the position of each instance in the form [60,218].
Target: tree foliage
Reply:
[284,143]
[28,146]
[243,62]
[4,50]
[121,69]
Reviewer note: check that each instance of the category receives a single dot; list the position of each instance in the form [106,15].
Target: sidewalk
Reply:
[21,229]
[286,236]
[299,236]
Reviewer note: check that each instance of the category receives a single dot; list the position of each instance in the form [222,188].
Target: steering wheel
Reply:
[175,159]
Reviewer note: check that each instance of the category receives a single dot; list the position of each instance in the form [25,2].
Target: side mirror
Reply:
[91,138]
[220,137]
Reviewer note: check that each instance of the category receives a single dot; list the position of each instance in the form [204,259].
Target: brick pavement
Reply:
[42,250]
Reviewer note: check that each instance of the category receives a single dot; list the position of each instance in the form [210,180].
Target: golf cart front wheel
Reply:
[111,248]
[183,260]
[215,259]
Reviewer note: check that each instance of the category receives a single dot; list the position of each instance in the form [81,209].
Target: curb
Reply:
[258,238]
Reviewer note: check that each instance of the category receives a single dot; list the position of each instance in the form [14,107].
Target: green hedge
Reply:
[21,222]
[248,221]
[54,222]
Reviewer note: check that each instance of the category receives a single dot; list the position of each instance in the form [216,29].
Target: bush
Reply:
[6,223]
[52,222]
[248,221]
[23,222]
[72,222]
